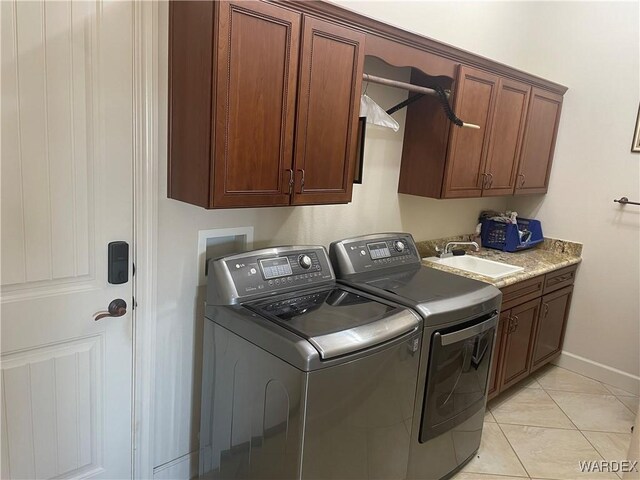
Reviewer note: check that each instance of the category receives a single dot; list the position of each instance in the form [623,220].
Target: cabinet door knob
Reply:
[522,179]
[490,180]
[546,309]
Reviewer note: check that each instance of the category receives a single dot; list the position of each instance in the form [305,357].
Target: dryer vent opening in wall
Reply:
[218,242]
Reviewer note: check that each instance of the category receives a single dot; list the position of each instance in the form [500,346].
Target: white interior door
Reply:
[67,158]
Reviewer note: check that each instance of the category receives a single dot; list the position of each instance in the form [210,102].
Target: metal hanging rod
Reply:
[403,85]
[412,88]
[625,201]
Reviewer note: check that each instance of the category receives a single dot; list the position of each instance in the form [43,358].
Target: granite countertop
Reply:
[550,255]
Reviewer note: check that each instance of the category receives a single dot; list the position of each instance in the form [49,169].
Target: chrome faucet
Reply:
[449,247]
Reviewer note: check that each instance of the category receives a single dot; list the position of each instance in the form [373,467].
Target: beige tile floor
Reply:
[543,427]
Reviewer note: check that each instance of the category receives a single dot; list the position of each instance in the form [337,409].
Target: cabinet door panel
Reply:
[189,88]
[519,342]
[539,142]
[498,358]
[328,106]
[506,137]
[551,325]
[254,104]
[473,103]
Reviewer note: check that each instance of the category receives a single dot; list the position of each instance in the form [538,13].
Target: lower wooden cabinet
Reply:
[494,376]
[518,343]
[531,328]
[551,325]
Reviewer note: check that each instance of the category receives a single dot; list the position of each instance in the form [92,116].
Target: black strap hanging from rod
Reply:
[401,105]
[435,90]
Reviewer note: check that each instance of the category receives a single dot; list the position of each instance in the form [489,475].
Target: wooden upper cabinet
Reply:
[505,139]
[190,55]
[473,102]
[263,111]
[331,64]
[539,142]
[518,126]
[256,78]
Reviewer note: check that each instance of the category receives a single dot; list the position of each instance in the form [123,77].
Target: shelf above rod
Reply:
[402,85]
[625,201]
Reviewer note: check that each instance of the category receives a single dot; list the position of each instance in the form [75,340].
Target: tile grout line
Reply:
[564,413]
[627,406]
[596,380]
[579,430]
[513,449]
[547,392]
[541,426]
[594,394]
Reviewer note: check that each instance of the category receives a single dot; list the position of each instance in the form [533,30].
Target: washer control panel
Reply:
[373,252]
[262,272]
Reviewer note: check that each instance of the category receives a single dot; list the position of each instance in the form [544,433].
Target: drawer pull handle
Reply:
[290,181]
[521,181]
[561,278]
[484,181]
[301,170]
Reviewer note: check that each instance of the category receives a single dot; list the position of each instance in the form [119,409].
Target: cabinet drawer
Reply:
[521,292]
[559,279]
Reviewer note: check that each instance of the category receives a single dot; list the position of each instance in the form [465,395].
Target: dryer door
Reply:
[458,375]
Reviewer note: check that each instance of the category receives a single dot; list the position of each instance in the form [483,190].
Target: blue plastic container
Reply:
[505,237]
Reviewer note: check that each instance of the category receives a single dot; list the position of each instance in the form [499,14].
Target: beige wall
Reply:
[500,30]
[597,48]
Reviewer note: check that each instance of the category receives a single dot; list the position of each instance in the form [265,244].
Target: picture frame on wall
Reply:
[635,146]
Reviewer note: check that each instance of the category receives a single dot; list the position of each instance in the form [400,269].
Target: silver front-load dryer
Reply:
[459,324]
[303,378]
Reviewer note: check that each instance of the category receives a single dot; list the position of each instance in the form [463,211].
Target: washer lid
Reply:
[337,321]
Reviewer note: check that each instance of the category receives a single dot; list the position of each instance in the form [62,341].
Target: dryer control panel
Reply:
[262,272]
[372,253]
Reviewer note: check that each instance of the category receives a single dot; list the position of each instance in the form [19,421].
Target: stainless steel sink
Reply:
[480,266]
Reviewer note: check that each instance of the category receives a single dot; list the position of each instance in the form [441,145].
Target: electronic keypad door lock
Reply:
[118,271]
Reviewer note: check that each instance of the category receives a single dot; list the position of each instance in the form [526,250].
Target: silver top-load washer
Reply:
[303,378]
[459,319]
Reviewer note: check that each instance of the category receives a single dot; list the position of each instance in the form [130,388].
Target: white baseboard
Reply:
[600,372]
[182,468]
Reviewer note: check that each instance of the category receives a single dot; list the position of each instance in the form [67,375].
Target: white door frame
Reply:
[145,235]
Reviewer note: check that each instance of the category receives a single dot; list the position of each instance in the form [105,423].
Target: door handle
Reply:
[117,308]
[301,180]
[521,181]
[490,184]
[546,309]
